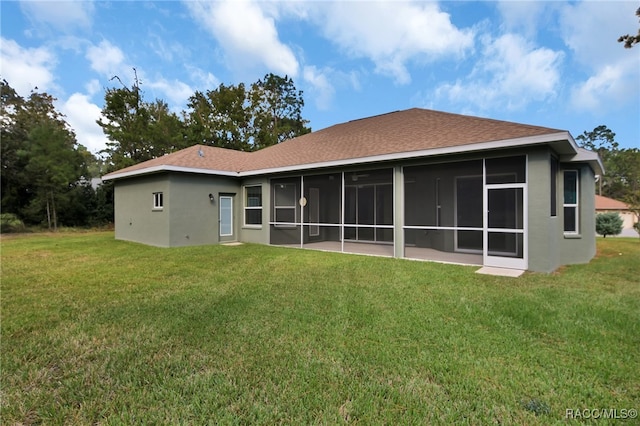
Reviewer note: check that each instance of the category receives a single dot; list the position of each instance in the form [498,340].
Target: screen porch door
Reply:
[504,239]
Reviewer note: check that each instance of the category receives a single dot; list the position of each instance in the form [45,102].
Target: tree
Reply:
[41,161]
[608,224]
[602,141]
[55,168]
[138,130]
[621,180]
[629,40]
[13,134]
[221,118]
[247,120]
[277,110]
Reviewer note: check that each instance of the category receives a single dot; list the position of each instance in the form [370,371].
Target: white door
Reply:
[226,217]
[505,233]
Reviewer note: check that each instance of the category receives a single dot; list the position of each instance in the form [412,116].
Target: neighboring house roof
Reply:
[604,203]
[404,134]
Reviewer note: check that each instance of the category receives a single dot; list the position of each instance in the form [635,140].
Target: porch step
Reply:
[501,272]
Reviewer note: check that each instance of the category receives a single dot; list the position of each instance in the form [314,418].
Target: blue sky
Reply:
[550,63]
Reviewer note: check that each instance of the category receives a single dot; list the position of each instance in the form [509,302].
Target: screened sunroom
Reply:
[443,211]
[445,217]
[343,211]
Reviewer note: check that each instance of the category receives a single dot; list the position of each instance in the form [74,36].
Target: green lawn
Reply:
[109,332]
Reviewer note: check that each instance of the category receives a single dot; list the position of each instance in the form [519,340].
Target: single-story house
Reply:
[629,217]
[417,184]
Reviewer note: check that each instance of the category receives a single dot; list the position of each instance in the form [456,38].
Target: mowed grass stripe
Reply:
[102,331]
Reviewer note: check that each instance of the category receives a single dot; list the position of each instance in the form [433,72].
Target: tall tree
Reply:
[13,134]
[621,180]
[55,167]
[277,108]
[138,130]
[628,39]
[220,118]
[603,141]
[247,120]
[41,160]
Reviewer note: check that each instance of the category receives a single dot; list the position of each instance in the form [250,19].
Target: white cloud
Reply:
[522,17]
[391,34]
[106,59]
[176,93]
[609,89]
[81,114]
[26,68]
[591,31]
[511,74]
[167,51]
[62,15]
[321,89]
[203,79]
[247,34]
[93,87]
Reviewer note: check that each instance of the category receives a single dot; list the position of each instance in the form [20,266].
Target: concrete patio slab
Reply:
[501,272]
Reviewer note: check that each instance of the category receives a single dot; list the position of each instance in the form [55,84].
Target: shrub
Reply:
[9,222]
[608,224]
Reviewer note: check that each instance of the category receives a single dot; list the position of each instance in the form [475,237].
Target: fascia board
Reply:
[585,156]
[167,168]
[474,147]
[484,146]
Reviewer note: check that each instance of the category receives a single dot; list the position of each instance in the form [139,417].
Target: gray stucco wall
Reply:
[135,218]
[549,246]
[194,219]
[188,217]
[542,227]
[579,248]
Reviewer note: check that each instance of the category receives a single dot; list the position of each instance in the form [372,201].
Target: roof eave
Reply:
[585,156]
[563,143]
[558,137]
[167,168]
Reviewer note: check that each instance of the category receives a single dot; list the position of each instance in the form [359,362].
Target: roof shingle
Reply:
[397,132]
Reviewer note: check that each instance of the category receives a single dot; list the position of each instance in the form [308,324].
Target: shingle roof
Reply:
[195,157]
[402,131]
[604,203]
[405,131]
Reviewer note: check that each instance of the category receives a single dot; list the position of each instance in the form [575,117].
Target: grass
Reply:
[98,331]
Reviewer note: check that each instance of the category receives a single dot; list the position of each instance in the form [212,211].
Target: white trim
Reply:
[168,168]
[246,207]
[575,206]
[506,143]
[158,200]
[472,147]
[585,156]
[230,198]
[492,258]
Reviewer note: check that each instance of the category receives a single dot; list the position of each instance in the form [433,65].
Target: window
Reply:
[158,201]
[571,202]
[284,203]
[253,205]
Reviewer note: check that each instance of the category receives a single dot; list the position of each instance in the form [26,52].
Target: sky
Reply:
[548,63]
